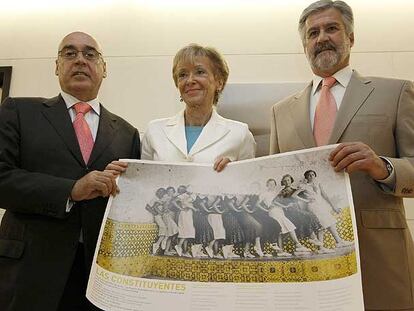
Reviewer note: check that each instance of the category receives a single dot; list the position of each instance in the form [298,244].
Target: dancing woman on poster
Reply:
[307,225]
[155,207]
[251,227]
[186,231]
[268,201]
[318,202]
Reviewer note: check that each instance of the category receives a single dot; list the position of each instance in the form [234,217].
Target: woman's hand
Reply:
[221,163]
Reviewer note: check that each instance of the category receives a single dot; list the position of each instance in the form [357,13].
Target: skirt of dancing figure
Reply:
[322,210]
[172,227]
[203,231]
[305,221]
[162,228]
[271,228]
[277,214]
[216,222]
[234,232]
[186,228]
[251,227]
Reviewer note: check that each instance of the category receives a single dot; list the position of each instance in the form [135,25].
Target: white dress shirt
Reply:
[92,117]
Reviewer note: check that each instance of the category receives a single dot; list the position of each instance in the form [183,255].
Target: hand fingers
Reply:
[342,151]
[113,172]
[104,182]
[103,185]
[117,167]
[340,147]
[358,157]
[349,162]
[216,163]
[220,164]
[120,163]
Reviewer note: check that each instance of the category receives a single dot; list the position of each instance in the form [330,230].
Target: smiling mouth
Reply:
[80,73]
[191,91]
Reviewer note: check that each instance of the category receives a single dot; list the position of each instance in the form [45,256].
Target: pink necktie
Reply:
[325,113]
[82,130]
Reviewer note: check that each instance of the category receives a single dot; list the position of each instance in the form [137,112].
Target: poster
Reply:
[273,232]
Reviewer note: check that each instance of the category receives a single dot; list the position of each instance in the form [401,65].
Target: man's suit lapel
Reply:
[57,114]
[105,135]
[299,110]
[213,131]
[355,95]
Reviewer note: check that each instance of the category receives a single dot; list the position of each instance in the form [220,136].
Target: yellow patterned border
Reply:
[126,247]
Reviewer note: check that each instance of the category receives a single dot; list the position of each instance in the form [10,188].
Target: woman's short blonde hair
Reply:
[192,51]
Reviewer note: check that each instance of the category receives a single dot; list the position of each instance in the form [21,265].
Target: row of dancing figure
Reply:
[234,226]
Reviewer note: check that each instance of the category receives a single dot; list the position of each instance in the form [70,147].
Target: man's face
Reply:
[80,76]
[327,45]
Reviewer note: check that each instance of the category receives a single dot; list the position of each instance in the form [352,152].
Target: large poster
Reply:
[274,232]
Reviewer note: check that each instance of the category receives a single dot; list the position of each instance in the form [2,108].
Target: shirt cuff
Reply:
[69,205]
[389,182]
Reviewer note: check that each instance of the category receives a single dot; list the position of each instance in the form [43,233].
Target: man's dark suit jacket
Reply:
[40,161]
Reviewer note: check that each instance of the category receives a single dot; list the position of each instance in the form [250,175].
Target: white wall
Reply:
[258,38]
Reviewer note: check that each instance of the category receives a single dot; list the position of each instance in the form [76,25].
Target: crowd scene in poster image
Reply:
[229,226]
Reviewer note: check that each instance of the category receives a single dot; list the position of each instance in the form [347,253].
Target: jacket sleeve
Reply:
[147,151]
[248,146]
[274,144]
[404,137]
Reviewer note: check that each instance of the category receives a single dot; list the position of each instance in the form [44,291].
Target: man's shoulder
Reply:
[285,102]
[31,103]
[386,79]
[119,120]
[383,81]
[27,100]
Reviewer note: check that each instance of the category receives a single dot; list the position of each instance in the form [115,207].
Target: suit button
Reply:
[189,159]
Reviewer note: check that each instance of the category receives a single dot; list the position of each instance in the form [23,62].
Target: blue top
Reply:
[191,134]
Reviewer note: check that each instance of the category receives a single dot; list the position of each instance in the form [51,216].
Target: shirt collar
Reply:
[71,100]
[342,76]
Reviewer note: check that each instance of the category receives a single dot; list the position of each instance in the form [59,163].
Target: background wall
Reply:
[258,38]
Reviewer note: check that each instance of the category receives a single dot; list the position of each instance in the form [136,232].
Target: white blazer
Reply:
[165,140]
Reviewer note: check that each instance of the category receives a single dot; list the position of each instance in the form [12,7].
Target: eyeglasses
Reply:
[71,53]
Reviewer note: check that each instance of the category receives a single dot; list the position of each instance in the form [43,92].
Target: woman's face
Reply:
[271,185]
[286,181]
[197,83]
[310,176]
[181,189]
[160,193]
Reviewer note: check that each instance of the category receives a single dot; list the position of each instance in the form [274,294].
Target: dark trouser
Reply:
[73,298]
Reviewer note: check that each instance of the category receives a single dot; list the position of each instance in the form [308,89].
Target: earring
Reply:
[218,93]
[181,99]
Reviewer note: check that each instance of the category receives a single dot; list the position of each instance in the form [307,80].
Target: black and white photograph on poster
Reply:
[277,220]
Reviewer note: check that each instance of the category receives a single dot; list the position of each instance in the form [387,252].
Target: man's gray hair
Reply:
[322,5]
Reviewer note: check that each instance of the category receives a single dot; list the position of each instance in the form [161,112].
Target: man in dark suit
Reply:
[373,122]
[52,182]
